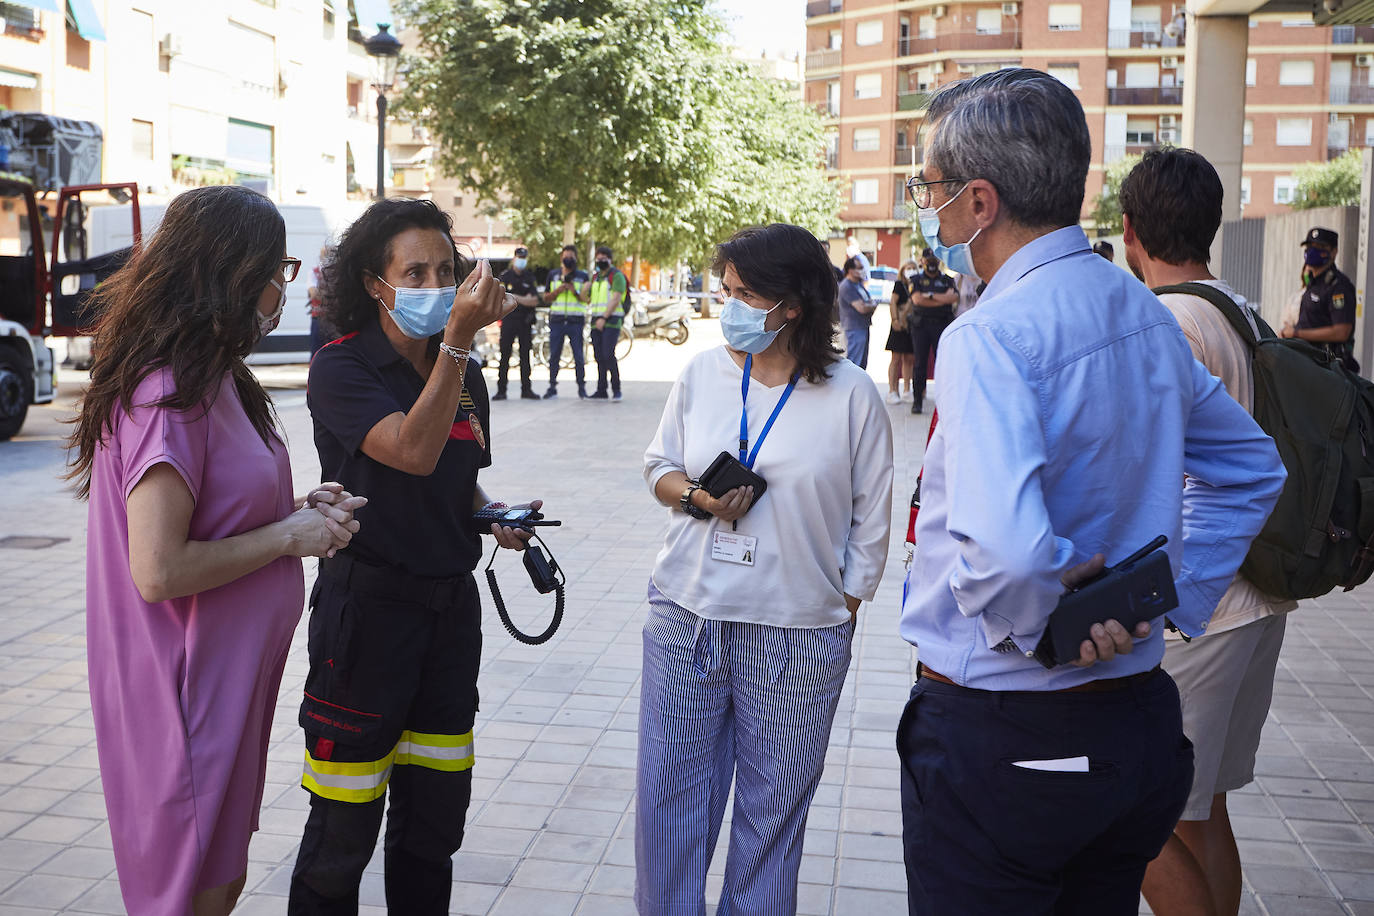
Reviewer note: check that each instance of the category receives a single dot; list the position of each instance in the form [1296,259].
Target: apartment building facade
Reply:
[872,64]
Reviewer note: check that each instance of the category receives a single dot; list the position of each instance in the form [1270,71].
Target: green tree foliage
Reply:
[1107,204]
[1328,184]
[624,121]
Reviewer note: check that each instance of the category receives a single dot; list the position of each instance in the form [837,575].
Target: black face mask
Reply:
[570,263]
[931,271]
[602,264]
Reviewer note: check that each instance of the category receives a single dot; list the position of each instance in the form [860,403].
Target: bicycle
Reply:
[541,346]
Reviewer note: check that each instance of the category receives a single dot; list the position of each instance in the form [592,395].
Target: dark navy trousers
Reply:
[983,835]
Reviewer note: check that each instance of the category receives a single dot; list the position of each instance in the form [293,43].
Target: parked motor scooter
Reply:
[667,318]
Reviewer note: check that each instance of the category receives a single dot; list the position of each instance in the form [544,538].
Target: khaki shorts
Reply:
[1225,683]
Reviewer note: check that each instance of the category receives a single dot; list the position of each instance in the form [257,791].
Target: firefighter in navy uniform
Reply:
[395,636]
[1327,316]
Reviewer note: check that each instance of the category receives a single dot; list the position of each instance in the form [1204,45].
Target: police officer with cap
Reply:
[1327,315]
[518,325]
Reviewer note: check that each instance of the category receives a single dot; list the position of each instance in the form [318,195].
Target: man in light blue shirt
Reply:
[1071,409]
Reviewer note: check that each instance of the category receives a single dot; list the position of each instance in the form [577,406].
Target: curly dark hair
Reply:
[1173,197]
[787,263]
[365,248]
[186,301]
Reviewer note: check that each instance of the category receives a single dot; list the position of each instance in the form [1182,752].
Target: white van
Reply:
[308,229]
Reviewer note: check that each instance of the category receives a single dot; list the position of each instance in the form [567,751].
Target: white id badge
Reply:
[734,548]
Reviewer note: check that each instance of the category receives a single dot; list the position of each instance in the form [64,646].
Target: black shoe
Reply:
[582,393]
[499,396]
[616,396]
[528,395]
[551,394]
[918,405]
[597,396]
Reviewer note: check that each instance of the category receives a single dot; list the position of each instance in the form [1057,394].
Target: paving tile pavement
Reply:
[551,824]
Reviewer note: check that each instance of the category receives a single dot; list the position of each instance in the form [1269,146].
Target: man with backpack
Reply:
[1327,316]
[1171,203]
[608,291]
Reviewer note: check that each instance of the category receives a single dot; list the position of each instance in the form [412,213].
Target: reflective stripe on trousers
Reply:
[367,780]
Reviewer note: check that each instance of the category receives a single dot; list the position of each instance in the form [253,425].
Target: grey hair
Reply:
[1023,131]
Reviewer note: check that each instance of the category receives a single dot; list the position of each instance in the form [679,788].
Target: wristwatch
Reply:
[685,502]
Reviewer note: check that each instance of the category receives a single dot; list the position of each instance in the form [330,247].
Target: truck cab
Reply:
[44,292]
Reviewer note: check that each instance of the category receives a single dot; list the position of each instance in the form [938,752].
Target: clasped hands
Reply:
[326,516]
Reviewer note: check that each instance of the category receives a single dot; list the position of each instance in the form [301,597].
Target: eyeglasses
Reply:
[921,191]
[290,267]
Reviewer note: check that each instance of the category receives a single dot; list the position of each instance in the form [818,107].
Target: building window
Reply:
[868,33]
[868,85]
[1066,17]
[836,39]
[1140,131]
[1297,23]
[250,153]
[866,139]
[1145,19]
[1284,186]
[1369,132]
[925,27]
[989,21]
[255,56]
[1245,190]
[1250,70]
[865,191]
[1297,72]
[143,140]
[145,42]
[1066,74]
[1294,132]
[1142,75]
[1248,135]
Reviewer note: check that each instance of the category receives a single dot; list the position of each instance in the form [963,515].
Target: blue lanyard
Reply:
[744,415]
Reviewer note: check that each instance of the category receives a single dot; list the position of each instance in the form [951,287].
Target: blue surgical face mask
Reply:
[743,326]
[520,263]
[958,257]
[420,313]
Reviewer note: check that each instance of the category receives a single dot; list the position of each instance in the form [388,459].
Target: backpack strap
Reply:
[1226,305]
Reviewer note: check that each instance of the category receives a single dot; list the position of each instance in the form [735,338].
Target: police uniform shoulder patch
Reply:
[1338,301]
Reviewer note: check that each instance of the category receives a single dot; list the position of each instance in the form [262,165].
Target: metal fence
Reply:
[1261,258]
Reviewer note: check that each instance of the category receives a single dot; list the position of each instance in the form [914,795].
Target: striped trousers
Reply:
[722,701]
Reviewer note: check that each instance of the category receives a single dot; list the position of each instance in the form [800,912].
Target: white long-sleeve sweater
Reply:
[823,524]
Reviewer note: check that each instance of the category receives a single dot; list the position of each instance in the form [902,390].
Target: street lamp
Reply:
[384,50]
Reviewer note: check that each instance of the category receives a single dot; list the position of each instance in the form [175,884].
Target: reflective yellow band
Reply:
[449,753]
[347,781]
[364,781]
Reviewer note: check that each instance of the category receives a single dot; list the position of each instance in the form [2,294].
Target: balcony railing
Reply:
[1140,38]
[1352,34]
[960,40]
[1336,152]
[822,7]
[1341,94]
[824,59]
[902,155]
[1147,95]
[913,99]
[901,211]
[828,109]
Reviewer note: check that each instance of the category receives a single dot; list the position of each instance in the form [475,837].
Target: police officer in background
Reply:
[1327,315]
[518,325]
[567,291]
[606,293]
[933,297]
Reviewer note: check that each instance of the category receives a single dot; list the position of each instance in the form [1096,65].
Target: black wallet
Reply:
[1139,588]
[728,472]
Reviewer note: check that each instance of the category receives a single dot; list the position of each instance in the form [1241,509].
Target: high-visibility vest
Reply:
[566,303]
[601,294]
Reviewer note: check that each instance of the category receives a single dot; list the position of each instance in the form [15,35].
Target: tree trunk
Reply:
[570,229]
[706,291]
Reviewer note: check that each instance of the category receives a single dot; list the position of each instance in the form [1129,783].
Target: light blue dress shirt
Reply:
[1071,409]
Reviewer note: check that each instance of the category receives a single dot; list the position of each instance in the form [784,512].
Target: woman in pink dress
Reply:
[194,582]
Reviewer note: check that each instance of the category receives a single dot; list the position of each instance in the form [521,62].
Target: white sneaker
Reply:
[894,398]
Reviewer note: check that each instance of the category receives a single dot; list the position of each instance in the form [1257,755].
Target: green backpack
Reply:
[1321,417]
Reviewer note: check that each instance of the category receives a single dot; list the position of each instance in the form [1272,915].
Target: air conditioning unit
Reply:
[1168,136]
[966,68]
[170,45]
[1168,120]
[1168,63]
[1010,9]
[1364,60]
[938,12]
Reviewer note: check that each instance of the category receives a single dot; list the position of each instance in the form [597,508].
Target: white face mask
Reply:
[908,273]
[268,323]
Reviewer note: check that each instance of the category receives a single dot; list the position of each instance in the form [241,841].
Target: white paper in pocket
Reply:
[1057,765]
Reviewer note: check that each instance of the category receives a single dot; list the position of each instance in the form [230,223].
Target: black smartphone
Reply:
[1139,588]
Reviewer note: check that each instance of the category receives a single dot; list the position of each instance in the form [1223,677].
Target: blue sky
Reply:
[767,25]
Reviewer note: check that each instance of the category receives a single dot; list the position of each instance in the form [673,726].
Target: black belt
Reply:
[1104,685]
[386,582]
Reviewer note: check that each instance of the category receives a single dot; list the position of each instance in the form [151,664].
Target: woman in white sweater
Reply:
[754,595]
